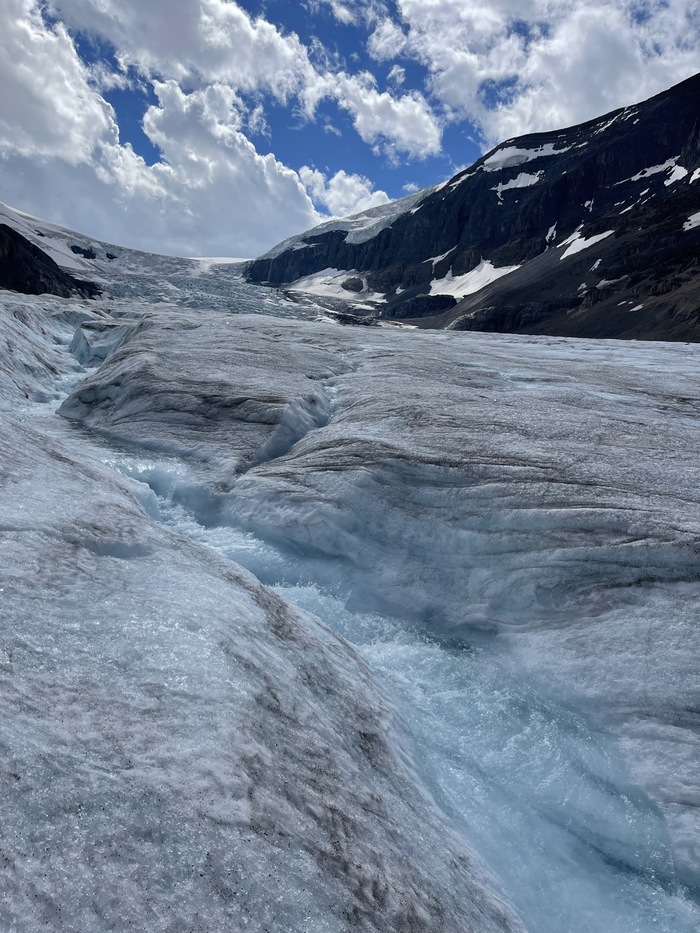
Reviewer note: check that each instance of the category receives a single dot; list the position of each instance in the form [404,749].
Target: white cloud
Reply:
[351,11]
[397,75]
[62,157]
[387,41]
[559,61]
[341,11]
[47,107]
[342,193]
[404,124]
[196,42]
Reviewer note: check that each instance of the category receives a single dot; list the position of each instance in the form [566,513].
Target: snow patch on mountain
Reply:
[676,175]
[55,241]
[651,170]
[436,259]
[329,283]
[692,222]
[512,156]
[524,180]
[576,242]
[461,285]
[359,227]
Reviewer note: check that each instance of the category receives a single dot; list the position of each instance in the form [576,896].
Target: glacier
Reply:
[318,628]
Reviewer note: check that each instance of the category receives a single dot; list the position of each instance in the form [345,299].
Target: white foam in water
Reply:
[534,787]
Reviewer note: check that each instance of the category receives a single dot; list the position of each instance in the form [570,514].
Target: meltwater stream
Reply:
[531,785]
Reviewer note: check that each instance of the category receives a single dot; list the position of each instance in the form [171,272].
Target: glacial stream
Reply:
[534,787]
[531,785]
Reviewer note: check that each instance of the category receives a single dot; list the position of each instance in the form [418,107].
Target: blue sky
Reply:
[214,127]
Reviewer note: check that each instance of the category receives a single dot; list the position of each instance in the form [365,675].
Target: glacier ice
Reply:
[505,529]
[181,748]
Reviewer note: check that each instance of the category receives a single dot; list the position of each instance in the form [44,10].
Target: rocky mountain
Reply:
[588,231]
[27,269]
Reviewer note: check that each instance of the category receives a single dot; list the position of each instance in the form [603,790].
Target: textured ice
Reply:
[505,528]
[181,748]
[453,482]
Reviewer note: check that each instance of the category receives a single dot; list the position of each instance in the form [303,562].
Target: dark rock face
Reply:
[84,251]
[353,285]
[27,269]
[633,175]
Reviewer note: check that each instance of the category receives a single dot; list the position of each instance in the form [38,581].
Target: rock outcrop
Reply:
[27,269]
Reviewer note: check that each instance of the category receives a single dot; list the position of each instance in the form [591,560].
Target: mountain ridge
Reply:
[484,250]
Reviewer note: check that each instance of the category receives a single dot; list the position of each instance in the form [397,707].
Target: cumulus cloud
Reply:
[196,42]
[211,193]
[61,154]
[213,69]
[47,106]
[342,193]
[517,66]
[404,124]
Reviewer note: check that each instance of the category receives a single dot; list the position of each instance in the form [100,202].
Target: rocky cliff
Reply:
[592,230]
[26,268]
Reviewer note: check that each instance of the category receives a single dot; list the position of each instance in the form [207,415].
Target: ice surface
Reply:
[453,484]
[460,285]
[181,748]
[505,528]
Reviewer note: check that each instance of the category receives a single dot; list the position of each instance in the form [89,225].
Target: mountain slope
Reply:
[588,231]
[26,268]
